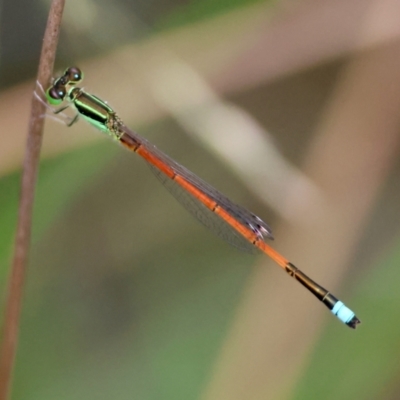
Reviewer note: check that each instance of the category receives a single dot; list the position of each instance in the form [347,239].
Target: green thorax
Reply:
[92,109]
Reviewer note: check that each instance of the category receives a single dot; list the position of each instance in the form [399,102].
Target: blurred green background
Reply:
[289,108]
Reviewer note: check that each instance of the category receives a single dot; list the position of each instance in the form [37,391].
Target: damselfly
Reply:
[228,220]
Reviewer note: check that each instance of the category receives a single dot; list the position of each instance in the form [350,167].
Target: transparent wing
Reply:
[208,218]
[204,215]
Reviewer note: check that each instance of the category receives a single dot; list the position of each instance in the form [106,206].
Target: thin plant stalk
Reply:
[23,231]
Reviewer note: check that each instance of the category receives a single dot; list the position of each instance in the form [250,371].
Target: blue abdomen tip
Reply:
[342,312]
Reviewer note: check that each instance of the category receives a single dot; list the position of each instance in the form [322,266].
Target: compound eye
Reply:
[73,75]
[56,94]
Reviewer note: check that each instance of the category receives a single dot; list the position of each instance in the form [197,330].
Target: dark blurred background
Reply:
[289,108]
